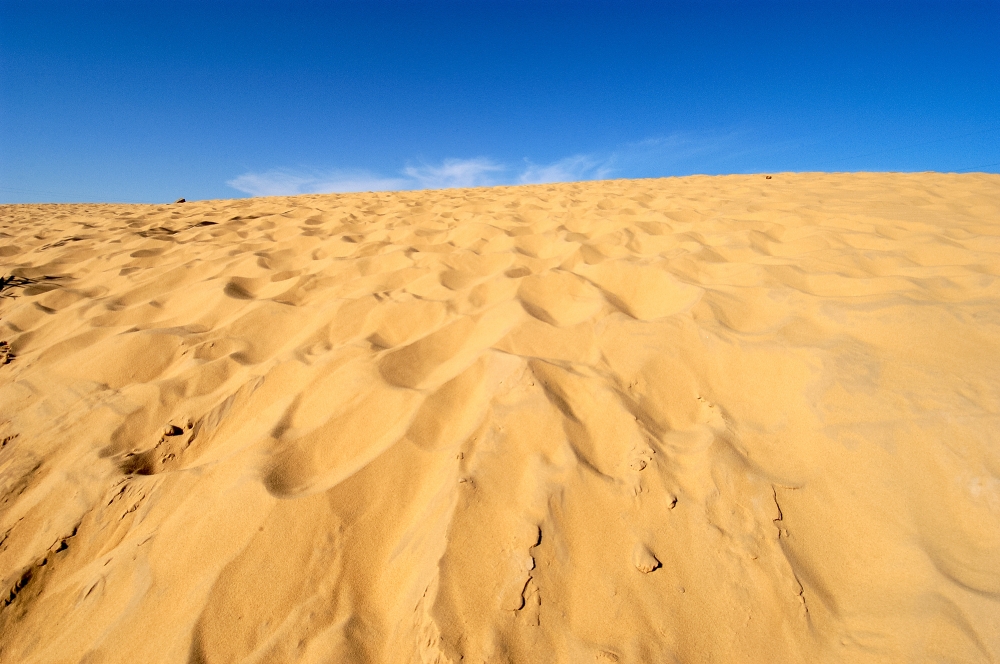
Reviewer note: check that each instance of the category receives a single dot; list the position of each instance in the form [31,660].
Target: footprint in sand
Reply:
[644,560]
[165,455]
[6,354]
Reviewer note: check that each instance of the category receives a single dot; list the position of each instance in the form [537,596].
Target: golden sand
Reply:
[706,419]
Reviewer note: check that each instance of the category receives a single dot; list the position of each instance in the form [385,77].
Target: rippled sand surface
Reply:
[706,419]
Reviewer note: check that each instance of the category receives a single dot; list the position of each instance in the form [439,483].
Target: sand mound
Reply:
[726,419]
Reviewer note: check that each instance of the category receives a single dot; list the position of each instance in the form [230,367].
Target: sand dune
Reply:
[706,419]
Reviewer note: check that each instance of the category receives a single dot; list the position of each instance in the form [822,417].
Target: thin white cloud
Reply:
[478,172]
[682,153]
[571,169]
[289,183]
[672,154]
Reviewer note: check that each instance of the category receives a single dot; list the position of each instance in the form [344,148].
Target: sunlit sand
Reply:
[704,419]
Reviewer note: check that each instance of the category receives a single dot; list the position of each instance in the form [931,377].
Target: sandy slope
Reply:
[721,419]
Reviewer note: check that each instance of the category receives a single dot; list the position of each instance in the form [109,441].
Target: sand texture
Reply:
[706,419]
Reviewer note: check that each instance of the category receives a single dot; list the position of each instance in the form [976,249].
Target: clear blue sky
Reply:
[150,101]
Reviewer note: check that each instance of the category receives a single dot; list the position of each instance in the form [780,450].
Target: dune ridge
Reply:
[691,419]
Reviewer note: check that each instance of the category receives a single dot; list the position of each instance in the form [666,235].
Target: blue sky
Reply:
[148,101]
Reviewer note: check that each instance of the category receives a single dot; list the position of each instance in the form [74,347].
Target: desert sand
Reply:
[704,419]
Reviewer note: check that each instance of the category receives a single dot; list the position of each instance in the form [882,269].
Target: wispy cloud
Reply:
[450,173]
[478,172]
[571,169]
[666,155]
[281,182]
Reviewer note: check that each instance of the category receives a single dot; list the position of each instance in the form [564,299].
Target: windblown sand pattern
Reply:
[721,419]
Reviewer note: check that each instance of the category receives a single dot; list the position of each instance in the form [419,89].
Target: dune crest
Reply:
[695,419]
